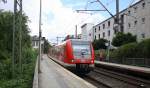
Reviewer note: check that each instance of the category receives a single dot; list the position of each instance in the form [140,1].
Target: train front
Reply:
[83,56]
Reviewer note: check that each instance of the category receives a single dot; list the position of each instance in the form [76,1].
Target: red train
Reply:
[74,54]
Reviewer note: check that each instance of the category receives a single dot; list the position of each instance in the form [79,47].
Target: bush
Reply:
[121,39]
[99,44]
[143,49]
[127,50]
[133,50]
[23,80]
[22,77]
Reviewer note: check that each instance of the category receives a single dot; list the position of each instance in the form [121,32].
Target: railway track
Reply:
[103,78]
[95,82]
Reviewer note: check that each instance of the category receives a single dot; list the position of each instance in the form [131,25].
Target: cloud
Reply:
[65,19]
[58,19]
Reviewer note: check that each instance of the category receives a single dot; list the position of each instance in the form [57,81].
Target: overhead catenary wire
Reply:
[110,2]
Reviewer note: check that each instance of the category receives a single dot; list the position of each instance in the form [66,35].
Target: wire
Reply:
[110,2]
[89,2]
[132,1]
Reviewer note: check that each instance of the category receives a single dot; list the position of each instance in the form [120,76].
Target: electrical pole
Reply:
[20,36]
[76,32]
[17,8]
[40,32]
[57,40]
[13,46]
[117,16]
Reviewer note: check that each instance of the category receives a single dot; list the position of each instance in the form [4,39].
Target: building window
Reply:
[103,26]
[135,22]
[95,37]
[108,32]
[99,36]
[129,12]
[95,29]
[36,43]
[122,18]
[143,5]
[103,34]
[115,31]
[99,28]
[135,9]
[89,34]
[143,20]
[129,25]
[108,23]
[122,29]
[143,35]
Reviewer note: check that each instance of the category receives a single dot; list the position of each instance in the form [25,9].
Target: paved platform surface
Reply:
[129,67]
[55,76]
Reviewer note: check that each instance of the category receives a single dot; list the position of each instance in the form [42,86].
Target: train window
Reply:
[81,50]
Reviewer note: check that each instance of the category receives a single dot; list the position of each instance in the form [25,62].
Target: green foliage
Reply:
[6,19]
[99,44]
[133,50]
[127,50]
[143,49]
[121,39]
[46,46]
[22,79]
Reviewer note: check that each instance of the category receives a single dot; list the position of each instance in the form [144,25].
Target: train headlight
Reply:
[72,60]
[92,61]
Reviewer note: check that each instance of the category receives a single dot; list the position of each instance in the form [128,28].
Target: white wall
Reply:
[136,15]
[87,32]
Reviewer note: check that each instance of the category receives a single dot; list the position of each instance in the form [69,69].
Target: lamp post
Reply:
[40,32]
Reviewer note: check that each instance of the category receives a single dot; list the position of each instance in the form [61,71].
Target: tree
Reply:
[46,46]
[99,44]
[6,37]
[121,39]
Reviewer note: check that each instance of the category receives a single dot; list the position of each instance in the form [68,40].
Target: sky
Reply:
[59,17]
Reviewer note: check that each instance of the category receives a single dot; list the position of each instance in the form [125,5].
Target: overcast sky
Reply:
[59,16]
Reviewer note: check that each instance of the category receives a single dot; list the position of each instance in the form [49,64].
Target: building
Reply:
[87,31]
[79,36]
[104,30]
[135,20]
[35,41]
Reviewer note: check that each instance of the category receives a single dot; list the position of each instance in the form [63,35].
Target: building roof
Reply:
[83,25]
[36,38]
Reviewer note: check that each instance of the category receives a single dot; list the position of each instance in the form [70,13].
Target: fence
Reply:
[144,62]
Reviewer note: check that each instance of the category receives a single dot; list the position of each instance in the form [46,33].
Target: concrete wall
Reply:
[87,32]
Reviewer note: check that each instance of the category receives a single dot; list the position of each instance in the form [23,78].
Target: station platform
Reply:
[135,70]
[54,76]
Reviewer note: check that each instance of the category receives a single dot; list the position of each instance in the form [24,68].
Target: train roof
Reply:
[73,40]
[79,40]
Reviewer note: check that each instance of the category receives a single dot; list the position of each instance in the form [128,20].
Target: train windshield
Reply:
[81,49]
